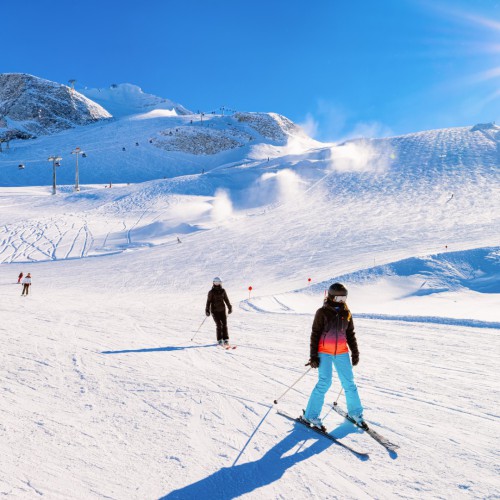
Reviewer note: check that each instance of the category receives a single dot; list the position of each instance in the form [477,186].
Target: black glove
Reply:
[207,312]
[229,310]
[355,358]
[314,362]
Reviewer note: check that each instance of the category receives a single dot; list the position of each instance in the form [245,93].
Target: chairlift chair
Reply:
[21,166]
[84,155]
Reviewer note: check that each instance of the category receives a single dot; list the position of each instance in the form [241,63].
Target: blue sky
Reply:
[342,68]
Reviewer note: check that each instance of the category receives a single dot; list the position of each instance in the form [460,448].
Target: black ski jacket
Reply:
[216,299]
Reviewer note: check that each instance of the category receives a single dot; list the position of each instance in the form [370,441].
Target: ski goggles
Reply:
[339,298]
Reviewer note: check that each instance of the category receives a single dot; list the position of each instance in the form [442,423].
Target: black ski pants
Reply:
[26,288]
[220,319]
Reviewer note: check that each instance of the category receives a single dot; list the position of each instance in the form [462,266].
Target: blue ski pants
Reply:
[343,367]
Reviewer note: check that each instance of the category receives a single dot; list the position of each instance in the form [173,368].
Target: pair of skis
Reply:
[388,445]
[226,347]
[323,432]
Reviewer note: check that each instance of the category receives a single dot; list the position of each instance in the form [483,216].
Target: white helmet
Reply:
[217,281]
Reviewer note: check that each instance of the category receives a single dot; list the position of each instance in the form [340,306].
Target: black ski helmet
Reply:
[337,290]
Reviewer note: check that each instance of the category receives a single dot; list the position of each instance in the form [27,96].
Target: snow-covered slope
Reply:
[32,106]
[101,378]
[126,99]
[112,385]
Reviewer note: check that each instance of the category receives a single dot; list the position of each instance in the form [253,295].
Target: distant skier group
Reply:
[332,338]
[26,282]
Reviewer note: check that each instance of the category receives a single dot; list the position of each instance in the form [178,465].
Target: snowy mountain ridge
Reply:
[165,138]
[125,99]
[31,106]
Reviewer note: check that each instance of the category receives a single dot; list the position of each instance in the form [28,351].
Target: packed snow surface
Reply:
[111,384]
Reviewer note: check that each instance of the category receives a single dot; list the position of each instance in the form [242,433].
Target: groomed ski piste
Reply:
[105,395]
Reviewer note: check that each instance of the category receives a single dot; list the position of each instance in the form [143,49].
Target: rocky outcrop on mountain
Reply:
[31,106]
[485,126]
[219,133]
[200,140]
[270,125]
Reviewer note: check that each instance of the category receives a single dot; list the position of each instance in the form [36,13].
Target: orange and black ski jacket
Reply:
[333,330]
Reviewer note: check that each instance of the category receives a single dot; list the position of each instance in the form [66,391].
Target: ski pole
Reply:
[199,328]
[335,402]
[295,383]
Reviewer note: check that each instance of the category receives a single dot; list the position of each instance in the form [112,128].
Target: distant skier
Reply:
[332,334]
[26,284]
[216,304]
[178,240]
[20,277]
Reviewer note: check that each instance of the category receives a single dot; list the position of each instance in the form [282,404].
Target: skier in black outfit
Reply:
[216,304]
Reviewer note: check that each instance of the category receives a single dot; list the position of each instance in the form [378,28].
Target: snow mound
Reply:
[158,230]
[31,106]
[440,289]
[125,99]
[477,270]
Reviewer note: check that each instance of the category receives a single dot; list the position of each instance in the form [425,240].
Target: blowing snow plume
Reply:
[288,185]
[222,207]
[274,187]
[361,156]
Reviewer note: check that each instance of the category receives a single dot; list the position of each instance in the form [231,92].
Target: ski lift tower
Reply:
[72,83]
[55,163]
[77,152]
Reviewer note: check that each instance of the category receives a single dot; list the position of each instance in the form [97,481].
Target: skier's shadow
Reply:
[344,429]
[157,349]
[232,482]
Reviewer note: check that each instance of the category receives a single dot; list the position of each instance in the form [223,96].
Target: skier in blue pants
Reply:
[344,371]
[332,338]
